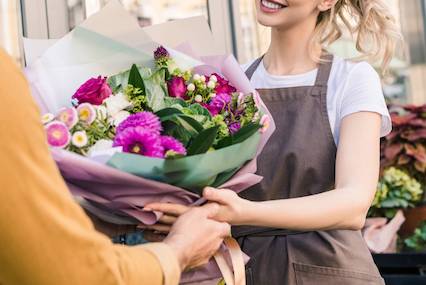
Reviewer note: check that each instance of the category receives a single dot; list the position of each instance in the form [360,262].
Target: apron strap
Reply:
[251,70]
[324,70]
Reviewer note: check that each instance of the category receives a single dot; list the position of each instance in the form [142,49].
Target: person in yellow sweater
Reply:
[46,238]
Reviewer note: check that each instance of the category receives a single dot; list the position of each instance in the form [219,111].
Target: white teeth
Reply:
[271,5]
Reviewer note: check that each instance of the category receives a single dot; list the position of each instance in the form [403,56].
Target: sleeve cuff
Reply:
[168,261]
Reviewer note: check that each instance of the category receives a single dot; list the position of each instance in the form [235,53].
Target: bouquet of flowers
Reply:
[162,118]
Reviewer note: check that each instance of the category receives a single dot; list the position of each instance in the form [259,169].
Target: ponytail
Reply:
[377,33]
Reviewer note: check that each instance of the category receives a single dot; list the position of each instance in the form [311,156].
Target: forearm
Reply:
[336,209]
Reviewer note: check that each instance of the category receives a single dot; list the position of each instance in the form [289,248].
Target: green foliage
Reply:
[250,110]
[417,241]
[240,136]
[156,90]
[100,129]
[396,190]
[135,78]
[137,97]
[203,142]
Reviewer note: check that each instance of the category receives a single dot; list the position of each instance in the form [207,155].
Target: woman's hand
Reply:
[232,210]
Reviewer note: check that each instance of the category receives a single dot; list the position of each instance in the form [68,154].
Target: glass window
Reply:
[9,28]
[255,38]
[148,12]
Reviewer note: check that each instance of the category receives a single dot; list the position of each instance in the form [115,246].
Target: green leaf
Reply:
[121,80]
[170,101]
[135,78]
[190,123]
[168,113]
[203,142]
[176,131]
[243,134]
[197,109]
[156,90]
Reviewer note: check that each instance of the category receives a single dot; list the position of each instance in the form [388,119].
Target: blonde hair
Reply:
[376,30]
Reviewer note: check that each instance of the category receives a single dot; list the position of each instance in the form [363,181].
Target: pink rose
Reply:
[93,91]
[177,87]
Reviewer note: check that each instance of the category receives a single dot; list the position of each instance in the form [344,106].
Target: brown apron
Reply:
[299,160]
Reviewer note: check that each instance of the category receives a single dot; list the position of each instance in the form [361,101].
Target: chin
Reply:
[270,17]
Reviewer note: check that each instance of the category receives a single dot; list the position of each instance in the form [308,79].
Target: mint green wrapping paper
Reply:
[194,172]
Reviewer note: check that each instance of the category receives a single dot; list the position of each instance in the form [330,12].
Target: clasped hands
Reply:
[230,207]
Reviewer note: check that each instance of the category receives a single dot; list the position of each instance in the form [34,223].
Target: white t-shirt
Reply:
[352,87]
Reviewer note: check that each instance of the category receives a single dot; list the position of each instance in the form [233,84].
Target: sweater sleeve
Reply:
[46,238]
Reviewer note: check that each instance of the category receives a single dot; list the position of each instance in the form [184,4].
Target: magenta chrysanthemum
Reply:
[172,146]
[58,134]
[147,120]
[140,141]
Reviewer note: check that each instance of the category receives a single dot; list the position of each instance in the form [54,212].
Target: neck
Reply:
[289,51]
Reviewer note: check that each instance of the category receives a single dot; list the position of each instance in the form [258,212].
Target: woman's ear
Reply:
[326,5]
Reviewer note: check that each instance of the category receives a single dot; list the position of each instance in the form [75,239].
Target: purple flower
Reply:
[218,103]
[177,87]
[93,91]
[172,146]
[223,86]
[234,127]
[161,53]
[57,134]
[140,141]
[146,120]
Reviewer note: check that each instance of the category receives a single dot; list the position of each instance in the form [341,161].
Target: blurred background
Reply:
[233,23]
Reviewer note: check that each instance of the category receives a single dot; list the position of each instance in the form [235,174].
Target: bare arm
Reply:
[357,169]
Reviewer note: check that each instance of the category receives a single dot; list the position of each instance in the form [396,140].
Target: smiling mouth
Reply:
[271,5]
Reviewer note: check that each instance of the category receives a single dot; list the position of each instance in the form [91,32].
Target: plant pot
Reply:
[413,218]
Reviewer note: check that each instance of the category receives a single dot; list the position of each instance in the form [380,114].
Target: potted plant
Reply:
[396,190]
[405,148]
[417,242]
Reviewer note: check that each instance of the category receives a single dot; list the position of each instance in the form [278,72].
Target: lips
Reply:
[270,6]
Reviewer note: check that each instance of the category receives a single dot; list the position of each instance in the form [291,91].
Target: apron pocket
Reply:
[320,275]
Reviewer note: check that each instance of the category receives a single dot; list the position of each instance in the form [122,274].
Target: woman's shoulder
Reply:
[348,69]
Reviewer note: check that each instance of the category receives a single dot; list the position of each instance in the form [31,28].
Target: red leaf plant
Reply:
[405,146]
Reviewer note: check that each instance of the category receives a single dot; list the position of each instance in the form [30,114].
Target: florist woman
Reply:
[301,224]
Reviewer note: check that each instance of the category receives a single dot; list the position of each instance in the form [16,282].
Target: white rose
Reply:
[102,150]
[117,103]
[120,117]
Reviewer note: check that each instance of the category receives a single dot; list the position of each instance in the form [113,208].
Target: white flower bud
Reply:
[197,77]
[191,87]
[211,85]
[203,78]
[213,78]
[198,98]
[212,95]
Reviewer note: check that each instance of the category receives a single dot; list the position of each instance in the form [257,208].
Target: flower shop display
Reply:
[405,147]
[417,242]
[396,190]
